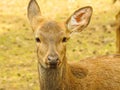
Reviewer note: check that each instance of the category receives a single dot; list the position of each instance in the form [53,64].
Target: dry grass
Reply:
[18,62]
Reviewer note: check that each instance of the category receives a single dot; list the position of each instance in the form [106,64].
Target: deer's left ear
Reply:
[79,19]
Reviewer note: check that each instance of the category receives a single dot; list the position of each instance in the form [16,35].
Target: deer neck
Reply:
[54,79]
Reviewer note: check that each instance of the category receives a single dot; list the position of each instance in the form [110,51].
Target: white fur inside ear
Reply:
[73,23]
[80,19]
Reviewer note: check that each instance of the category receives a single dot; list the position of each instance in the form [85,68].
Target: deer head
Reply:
[51,38]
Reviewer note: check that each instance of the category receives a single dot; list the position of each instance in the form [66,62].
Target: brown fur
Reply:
[118,32]
[98,73]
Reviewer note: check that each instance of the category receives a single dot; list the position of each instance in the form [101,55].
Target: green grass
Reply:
[18,61]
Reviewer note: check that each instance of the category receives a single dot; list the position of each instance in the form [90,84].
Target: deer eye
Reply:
[64,39]
[37,40]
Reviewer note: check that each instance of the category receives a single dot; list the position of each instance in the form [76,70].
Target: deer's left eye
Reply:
[64,39]
[37,40]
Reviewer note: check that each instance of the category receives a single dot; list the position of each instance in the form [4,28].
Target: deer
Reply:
[118,32]
[117,24]
[56,72]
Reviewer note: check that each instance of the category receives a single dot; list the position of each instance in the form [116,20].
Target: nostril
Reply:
[49,58]
[53,58]
[57,59]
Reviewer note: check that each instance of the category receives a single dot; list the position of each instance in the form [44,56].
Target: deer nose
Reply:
[53,59]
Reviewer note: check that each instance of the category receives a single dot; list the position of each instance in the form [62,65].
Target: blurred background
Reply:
[18,59]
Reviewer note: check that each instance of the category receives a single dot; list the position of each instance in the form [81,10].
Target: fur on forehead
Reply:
[51,26]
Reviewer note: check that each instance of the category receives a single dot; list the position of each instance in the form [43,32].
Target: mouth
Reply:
[53,65]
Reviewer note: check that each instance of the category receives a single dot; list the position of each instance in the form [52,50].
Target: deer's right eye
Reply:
[37,40]
[64,39]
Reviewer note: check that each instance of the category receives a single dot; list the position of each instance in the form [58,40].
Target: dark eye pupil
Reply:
[64,39]
[37,39]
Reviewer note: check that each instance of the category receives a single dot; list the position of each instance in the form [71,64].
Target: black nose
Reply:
[53,59]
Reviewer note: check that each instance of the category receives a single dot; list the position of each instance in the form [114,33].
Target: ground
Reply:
[18,61]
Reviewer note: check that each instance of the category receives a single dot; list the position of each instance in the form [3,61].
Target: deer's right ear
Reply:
[33,13]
